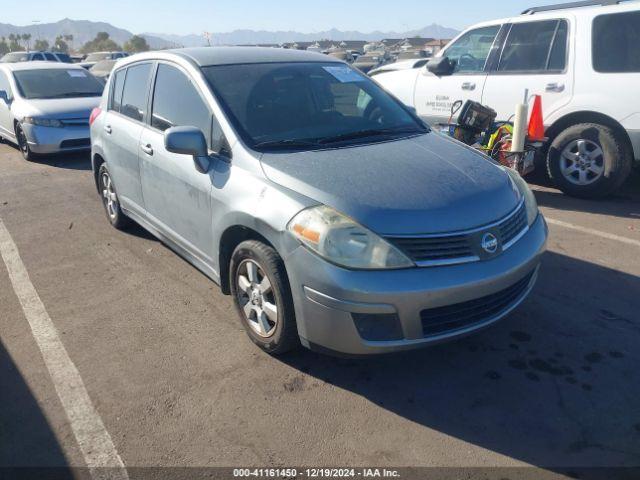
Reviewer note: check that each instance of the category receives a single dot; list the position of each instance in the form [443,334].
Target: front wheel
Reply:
[262,296]
[589,160]
[23,144]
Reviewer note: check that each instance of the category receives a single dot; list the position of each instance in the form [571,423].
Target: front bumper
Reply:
[327,297]
[47,140]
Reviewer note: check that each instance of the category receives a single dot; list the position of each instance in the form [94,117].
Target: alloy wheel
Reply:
[256,298]
[582,162]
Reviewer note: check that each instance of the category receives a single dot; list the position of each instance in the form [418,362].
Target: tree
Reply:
[26,38]
[68,38]
[60,45]
[4,46]
[14,43]
[102,43]
[41,45]
[136,44]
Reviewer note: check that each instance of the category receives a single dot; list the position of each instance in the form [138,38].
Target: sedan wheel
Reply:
[23,144]
[255,296]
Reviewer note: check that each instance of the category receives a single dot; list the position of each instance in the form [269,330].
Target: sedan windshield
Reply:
[304,106]
[15,57]
[57,83]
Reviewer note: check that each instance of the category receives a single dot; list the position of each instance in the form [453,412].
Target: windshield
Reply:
[96,57]
[307,105]
[57,83]
[15,57]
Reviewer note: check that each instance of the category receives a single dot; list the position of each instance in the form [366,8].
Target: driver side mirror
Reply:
[188,141]
[441,66]
[4,96]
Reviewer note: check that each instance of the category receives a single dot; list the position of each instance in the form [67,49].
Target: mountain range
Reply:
[85,30]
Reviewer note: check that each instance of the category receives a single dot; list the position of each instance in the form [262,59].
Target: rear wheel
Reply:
[110,199]
[23,144]
[261,292]
[589,160]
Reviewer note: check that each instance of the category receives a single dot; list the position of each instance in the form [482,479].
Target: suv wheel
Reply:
[589,160]
[23,144]
[262,297]
[110,199]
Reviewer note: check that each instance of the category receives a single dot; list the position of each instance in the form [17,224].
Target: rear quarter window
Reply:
[616,43]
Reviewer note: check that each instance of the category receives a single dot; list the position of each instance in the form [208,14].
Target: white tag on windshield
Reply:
[77,73]
[344,74]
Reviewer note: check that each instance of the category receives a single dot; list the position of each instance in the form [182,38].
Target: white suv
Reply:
[583,58]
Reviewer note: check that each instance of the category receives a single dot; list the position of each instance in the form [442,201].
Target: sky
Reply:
[197,16]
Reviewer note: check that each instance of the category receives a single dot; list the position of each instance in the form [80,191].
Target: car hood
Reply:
[420,185]
[59,108]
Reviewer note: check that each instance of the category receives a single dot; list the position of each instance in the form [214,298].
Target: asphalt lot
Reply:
[177,383]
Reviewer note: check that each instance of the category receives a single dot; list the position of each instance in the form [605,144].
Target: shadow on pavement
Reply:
[26,438]
[553,385]
[623,204]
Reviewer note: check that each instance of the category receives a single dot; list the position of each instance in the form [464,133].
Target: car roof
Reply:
[14,67]
[210,56]
[589,11]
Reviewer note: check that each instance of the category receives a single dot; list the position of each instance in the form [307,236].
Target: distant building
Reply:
[434,46]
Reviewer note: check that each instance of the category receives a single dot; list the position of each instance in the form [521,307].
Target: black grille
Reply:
[461,315]
[464,247]
[80,142]
[435,249]
[512,227]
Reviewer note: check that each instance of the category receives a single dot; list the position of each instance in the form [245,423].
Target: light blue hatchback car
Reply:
[334,216]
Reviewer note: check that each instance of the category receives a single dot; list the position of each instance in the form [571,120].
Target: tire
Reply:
[274,332]
[110,200]
[589,160]
[23,144]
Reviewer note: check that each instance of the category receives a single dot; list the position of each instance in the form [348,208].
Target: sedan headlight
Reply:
[340,240]
[525,191]
[43,122]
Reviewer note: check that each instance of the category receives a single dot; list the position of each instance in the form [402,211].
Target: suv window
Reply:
[616,43]
[51,57]
[37,57]
[469,53]
[134,94]
[535,47]
[177,103]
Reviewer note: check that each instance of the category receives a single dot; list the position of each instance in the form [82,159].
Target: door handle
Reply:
[468,86]
[555,87]
[107,129]
[147,149]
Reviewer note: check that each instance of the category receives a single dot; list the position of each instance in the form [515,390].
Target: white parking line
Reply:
[95,443]
[591,231]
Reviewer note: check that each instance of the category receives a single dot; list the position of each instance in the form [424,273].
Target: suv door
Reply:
[434,95]
[176,195]
[6,122]
[123,126]
[535,57]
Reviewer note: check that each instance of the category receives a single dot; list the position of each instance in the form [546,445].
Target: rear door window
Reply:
[116,95]
[50,57]
[134,94]
[616,43]
[535,47]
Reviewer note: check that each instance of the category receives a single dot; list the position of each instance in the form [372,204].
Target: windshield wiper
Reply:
[373,132]
[293,143]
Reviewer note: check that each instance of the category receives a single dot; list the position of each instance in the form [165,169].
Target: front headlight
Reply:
[43,122]
[525,191]
[344,242]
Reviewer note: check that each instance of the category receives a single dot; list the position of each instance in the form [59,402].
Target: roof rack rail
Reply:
[564,6]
